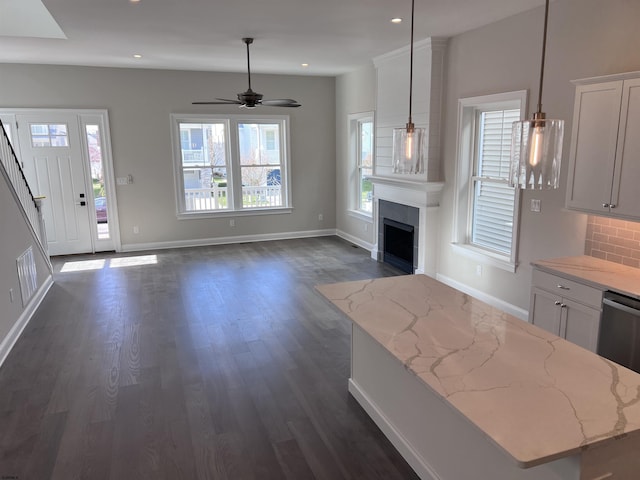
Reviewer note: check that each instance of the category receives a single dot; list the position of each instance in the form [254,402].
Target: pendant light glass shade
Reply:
[536,145]
[536,153]
[409,142]
[408,145]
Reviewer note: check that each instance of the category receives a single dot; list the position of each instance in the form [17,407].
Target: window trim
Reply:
[232,148]
[468,109]
[354,121]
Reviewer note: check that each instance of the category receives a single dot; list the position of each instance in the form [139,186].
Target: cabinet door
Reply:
[544,312]
[580,324]
[626,196]
[593,146]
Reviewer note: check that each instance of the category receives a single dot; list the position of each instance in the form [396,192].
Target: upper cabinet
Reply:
[604,163]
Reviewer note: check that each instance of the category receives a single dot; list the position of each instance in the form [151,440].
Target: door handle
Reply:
[82,203]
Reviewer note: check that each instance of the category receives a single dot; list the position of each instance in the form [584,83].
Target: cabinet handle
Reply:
[613,205]
[605,205]
[557,303]
[562,287]
[563,305]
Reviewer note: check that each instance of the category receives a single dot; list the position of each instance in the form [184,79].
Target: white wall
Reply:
[140,102]
[586,38]
[355,93]
[15,239]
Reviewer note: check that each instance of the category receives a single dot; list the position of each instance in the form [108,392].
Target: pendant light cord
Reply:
[413,3]
[544,51]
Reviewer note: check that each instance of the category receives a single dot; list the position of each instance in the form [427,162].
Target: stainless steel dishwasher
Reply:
[619,337]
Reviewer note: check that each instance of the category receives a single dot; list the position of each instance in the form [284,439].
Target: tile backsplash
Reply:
[614,240]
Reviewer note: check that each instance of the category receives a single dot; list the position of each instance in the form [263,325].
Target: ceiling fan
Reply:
[251,99]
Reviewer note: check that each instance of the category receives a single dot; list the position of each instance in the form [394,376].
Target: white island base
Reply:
[466,392]
[434,439]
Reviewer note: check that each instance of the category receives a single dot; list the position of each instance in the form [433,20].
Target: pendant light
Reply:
[408,142]
[536,148]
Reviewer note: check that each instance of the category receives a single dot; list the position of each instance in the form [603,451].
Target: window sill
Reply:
[485,257]
[234,213]
[365,217]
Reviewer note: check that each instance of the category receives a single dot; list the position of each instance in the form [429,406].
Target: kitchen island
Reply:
[466,391]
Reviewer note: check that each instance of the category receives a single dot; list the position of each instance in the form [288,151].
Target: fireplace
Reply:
[398,245]
[398,235]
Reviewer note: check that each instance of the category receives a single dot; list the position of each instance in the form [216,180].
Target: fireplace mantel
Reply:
[419,194]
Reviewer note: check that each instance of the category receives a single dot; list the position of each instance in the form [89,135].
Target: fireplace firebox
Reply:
[398,244]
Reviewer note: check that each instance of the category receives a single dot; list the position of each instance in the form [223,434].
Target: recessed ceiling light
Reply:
[304,65]
[137,55]
[396,20]
[134,1]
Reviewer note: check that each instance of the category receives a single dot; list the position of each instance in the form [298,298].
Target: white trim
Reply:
[233,167]
[360,215]
[485,257]
[202,242]
[464,166]
[234,213]
[12,337]
[509,308]
[355,240]
[606,78]
[412,457]
[437,42]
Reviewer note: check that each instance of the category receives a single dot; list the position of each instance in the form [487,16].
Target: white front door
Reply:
[53,162]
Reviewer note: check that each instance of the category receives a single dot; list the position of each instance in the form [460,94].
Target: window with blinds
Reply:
[493,208]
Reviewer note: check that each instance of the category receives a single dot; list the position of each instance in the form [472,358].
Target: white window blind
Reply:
[493,200]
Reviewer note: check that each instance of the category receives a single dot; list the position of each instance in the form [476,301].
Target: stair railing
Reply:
[30,206]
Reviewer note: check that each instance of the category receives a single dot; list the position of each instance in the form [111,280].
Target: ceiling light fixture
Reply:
[137,55]
[396,20]
[304,65]
[536,148]
[408,142]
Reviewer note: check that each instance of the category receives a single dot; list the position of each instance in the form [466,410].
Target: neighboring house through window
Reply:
[361,145]
[486,224]
[231,164]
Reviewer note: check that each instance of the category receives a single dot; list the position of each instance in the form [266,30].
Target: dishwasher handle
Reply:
[621,306]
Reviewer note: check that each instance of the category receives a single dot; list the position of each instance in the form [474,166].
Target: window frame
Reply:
[355,122]
[233,166]
[467,143]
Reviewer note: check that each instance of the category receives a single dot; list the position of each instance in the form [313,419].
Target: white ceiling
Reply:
[332,36]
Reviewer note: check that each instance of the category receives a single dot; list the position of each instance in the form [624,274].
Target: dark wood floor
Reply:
[215,363]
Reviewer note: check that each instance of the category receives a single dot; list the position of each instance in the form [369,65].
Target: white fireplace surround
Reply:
[425,196]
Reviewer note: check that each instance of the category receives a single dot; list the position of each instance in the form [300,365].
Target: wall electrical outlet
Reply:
[232,222]
[320,217]
[136,229]
[479,270]
[535,205]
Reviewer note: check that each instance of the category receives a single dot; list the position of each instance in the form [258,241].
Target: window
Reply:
[45,135]
[231,164]
[486,225]
[361,145]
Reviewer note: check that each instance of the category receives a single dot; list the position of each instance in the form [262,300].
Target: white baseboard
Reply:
[355,240]
[517,312]
[10,340]
[424,471]
[264,237]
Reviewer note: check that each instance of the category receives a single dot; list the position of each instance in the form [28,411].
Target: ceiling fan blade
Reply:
[281,102]
[221,101]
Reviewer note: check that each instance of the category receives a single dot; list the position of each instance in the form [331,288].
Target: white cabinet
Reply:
[566,308]
[604,163]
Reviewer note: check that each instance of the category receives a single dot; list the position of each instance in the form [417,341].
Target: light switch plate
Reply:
[122,181]
[535,205]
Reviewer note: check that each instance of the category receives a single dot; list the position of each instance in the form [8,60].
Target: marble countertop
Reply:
[533,394]
[593,271]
